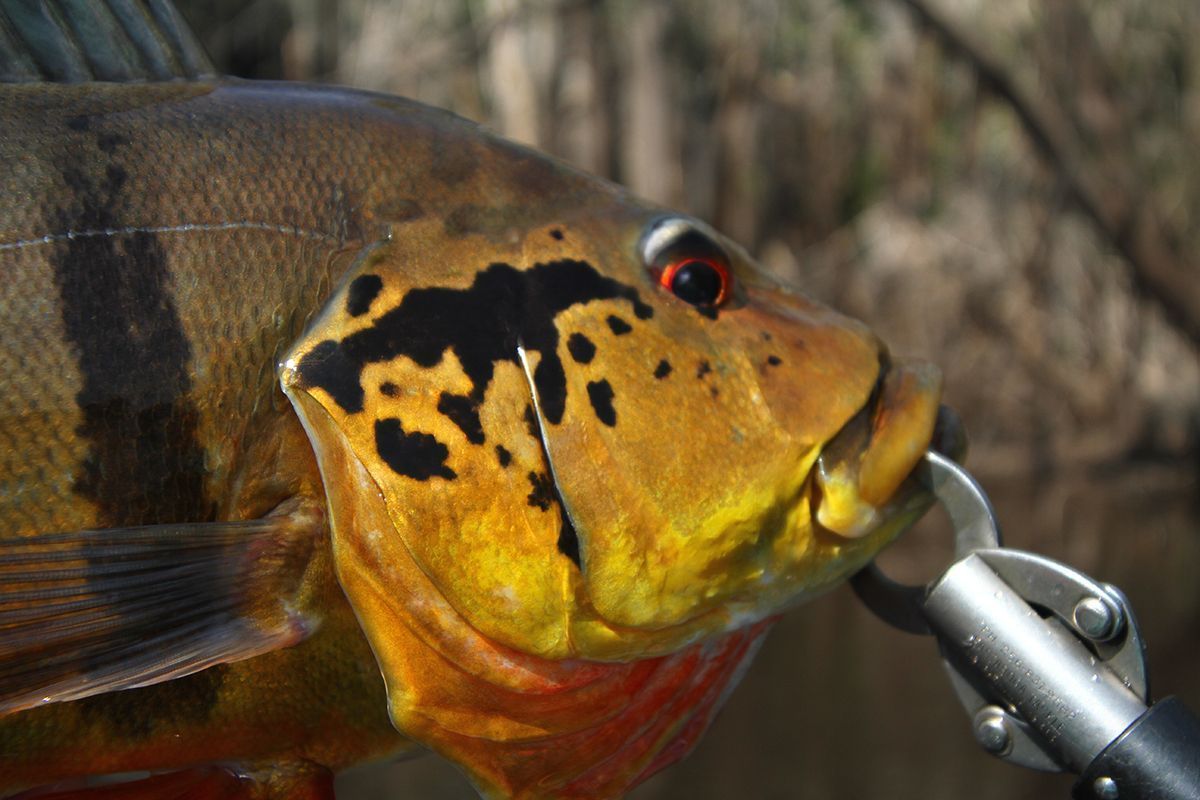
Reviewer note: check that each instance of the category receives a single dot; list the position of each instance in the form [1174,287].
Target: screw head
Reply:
[991,731]
[1105,788]
[1094,618]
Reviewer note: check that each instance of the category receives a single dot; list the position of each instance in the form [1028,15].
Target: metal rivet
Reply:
[992,732]
[1105,788]
[1094,618]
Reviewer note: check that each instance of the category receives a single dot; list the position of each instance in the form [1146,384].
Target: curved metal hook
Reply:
[975,528]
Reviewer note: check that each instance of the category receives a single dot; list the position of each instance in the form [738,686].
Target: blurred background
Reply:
[1011,189]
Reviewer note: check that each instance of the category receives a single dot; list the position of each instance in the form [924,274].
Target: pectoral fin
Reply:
[89,612]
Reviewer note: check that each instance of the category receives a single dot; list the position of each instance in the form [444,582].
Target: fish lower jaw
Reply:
[839,507]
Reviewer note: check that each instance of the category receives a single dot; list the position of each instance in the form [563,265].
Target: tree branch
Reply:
[1124,211]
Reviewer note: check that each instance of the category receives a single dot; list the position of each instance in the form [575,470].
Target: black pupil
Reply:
[697,282]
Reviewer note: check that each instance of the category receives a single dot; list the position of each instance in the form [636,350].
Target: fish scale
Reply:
[225,316]
[400,434]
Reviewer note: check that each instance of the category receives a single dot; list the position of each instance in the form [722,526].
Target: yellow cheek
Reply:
[490,552]
[677,500]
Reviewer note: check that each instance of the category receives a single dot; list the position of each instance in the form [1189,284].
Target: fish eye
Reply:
[698,281]
[687,262]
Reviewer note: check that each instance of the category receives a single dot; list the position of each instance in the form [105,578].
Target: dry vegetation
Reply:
[1009,188]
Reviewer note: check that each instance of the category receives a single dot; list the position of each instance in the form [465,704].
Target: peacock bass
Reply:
[333,425]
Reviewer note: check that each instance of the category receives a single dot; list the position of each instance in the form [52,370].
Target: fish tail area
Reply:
[284,782]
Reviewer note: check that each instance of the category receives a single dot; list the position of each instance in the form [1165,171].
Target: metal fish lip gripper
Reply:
[1048,662]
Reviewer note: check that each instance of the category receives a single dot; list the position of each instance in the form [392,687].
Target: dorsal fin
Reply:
[74,41]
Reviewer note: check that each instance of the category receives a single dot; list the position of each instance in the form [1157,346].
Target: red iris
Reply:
[697,280]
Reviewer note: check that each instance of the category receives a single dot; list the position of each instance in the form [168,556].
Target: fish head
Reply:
[601,431]
[578,452]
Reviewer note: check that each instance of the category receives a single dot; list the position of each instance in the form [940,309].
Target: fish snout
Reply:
[860,480]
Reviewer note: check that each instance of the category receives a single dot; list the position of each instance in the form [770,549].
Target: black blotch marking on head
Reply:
[362,292]
[144,464]
[703,369]
[766,337]
[774,361]
[568,538]
[419,456]
[618,326]
[714,391]
[550,381]
[482,325]
[708,312]
[557,234]
[663,369]
[541,493]
[531,423]
[328,366]
[389,389]
[463,412]
[581,348]
[601,394]
[503,456]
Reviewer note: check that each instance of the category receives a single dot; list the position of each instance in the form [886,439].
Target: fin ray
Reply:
[88,612]
[72,41]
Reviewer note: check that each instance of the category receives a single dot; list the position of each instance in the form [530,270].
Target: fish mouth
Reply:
[861,479]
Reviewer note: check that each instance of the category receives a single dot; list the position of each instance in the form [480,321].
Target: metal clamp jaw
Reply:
[1048,663]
